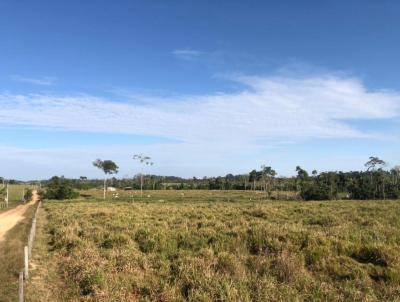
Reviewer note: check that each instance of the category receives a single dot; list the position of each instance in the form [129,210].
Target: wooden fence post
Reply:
[32,236]
[33,228]
[21,287]
[26,262]
[7,195]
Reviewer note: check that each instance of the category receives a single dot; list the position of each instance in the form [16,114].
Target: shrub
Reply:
[324,221]
[107,244]
[145,242]
[384,274]
[117,240]
[59,189]
[374,255]
[286,267]
[28,194]
[89,282]
[344,268]
[192,241]
[227,264]
[259,242]
[317,191]
[314,256]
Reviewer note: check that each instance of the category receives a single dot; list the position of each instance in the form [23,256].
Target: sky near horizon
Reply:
[205,88]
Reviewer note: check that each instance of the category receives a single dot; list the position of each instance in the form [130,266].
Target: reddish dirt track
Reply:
[10,218]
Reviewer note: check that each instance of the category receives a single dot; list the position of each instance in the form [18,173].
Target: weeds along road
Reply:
[10,218]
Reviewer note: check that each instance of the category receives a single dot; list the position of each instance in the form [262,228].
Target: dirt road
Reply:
[10,218]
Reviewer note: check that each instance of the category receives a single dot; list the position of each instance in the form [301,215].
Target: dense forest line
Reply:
[373,183]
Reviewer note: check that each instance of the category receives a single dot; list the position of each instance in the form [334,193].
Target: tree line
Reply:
[375,182]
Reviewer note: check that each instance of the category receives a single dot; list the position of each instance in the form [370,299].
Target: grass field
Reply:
[15,194]
[217,246]
[175,195]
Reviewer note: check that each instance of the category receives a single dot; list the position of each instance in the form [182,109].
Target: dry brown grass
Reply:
[220,246]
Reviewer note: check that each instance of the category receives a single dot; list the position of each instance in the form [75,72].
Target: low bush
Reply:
[144,240]
[28,195]
[324,221]
[372,254]
[59,189]
[90,282]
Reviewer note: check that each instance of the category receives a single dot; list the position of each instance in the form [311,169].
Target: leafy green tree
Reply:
[268,175]
[301,179]
[314,191]
[229,181]
[372,164]
[301,173]
[395,175]
[108,167]
[253,178]
[59,188]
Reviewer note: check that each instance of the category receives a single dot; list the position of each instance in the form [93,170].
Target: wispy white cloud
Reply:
[44,81]
[187,54]
[270,109]
[214,129]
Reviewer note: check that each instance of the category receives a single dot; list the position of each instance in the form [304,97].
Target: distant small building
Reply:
[111,189]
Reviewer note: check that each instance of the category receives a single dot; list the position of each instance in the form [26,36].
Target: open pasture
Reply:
[219,246]
[185,195]
[15,195]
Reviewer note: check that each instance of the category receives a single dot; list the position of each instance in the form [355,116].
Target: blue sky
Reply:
[204,88]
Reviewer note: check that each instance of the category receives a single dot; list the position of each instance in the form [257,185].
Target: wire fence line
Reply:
[24,275]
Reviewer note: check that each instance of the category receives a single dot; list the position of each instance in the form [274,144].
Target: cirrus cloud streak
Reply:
[268,109]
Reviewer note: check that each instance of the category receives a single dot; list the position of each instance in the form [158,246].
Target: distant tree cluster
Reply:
[373,183]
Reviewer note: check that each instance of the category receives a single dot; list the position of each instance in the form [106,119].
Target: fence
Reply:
[24,275]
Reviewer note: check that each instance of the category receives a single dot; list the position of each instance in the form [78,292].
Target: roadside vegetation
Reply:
[12,257]
[219,246]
